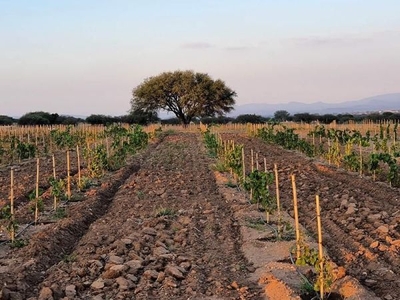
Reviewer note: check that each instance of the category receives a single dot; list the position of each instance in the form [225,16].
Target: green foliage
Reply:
[185,93]
[211,142]
[60,213]
[164,211]
[285,137]
[58,188]
[38,118]
[25,150]
[6,120]
[309,256]
[281,115]
[64,139]
[19,243]
[390,160]
[250,118]
[257,182]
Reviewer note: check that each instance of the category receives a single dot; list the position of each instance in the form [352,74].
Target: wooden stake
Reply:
[12,232]
[37,191]
[296,216]
[257,161]
[243,165]
[79,167]
[320,250]
[68,177]
[55,177]
[278,201]
[252,160]
[265,165]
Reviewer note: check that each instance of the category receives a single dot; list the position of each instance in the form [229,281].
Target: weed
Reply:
[67,258]
[164,211]
[19,243]
[60,213]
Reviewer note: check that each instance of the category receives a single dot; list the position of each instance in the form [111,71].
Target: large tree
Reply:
[185,93]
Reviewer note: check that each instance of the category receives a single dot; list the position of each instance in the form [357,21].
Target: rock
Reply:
[350,210]
[114,272]
[396,243]
[374,245]
[46,294]
[374,217]
[127,242]
[160,251]
[344,203]
[160,277]
[149,231]
[117,260]
[122,283]
[370,282]
[57,291]
[383,229]
[150,274]
[98,284]
[174,272]
[70,291]
[388,297]
[134,266]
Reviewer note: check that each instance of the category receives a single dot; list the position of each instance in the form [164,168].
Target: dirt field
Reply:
[161,228]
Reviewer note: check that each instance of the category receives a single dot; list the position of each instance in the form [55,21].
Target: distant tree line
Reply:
[141,117]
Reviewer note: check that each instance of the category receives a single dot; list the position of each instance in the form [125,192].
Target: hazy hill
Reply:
[376,103]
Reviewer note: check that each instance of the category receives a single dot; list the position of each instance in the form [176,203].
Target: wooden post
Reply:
[257,161]
[361,159]
[296,216]
[278,201]
[12,231]
[243,165]
[68,177]
[55,177]
[37,191]
[265,165]
[79,167]
[320,250]
[252,160]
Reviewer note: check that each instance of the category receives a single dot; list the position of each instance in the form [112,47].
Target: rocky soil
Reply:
[165,227]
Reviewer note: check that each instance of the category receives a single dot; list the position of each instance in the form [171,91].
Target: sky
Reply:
[82,57]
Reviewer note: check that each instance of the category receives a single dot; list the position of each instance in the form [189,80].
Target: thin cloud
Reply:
[316,41]
[197,45]
[237,48]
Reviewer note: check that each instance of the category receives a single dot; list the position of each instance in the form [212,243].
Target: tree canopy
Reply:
[281,115]
[185,93]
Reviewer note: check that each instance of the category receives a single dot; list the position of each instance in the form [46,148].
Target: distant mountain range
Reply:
[387,102]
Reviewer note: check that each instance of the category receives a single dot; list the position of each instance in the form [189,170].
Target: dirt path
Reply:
[360,217]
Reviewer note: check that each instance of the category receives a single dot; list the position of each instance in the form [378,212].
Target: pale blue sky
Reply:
[83,57]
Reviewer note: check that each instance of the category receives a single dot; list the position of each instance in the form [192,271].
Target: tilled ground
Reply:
[160,230]
[360,217]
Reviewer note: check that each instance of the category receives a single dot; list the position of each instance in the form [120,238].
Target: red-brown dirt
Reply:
[160,228]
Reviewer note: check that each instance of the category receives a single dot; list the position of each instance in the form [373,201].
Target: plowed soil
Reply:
[360,217]
[160,228]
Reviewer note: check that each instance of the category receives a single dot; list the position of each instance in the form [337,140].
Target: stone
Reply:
[160,277]
[150,274]
[98,284]
[374,245]
[114,272]
[374,217]
[134,266]
[344,203]
[46,294]
[113,259]
[123,284]
[383,229]
[127,242]
[160,251]
[70,291]
[149,231]
[174,272]
[350,210]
